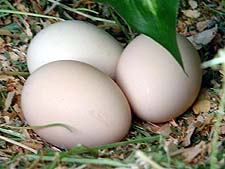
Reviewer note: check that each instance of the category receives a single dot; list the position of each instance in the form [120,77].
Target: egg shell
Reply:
[155,84]
[74,40]
[79,96]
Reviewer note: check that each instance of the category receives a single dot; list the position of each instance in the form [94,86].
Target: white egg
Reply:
[79,96]
[74,40]
[155,84]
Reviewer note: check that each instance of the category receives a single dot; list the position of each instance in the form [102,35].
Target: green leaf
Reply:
[154,18]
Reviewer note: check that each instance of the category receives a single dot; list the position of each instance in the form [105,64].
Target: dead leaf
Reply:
[173,123]
[165,130]
[26,133]
[206,36]
[222,130]
[190,153]
[200,119]
[201,106]
[61,167]
[8,100]
[34,145]
[170,146]
[204,122]
[202,25]
[222,162]
[4,77]
[22,8]
[191,13]
[203,38]
[7,119]
[5,32]
[28,30]
[37,7]
[16,108]
[11,115]
[190,131]
[1,41]
[8,39]
[204,94]
[190,119]
[193,4]
[14,56]
[181,27]
[208,118]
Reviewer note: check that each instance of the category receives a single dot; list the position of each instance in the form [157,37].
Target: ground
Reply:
[193,140]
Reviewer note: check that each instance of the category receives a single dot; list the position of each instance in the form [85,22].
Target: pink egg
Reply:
[155,84]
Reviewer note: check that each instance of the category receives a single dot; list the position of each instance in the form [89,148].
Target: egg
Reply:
[79,96]
[74,40]
[156,86]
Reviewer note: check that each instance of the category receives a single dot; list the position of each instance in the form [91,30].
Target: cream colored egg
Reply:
[79,96]
[154,83]
[74,40]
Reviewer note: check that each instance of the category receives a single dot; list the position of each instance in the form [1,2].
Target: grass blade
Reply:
[100,161]
[13,133]
[81,13]
[18,144]
[29,14]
